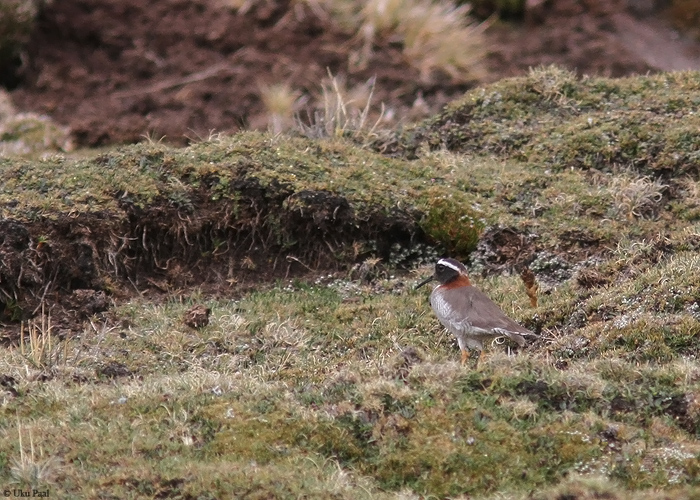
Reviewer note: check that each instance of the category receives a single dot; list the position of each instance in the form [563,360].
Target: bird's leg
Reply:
[478,360]
[465,356]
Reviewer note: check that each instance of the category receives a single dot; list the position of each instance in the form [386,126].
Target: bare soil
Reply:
[116,70]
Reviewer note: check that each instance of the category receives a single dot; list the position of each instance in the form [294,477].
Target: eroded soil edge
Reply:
[76,265]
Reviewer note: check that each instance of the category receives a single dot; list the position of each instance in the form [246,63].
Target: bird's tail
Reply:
[518,338]
[521,338]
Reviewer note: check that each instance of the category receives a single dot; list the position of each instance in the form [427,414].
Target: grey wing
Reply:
[486,315]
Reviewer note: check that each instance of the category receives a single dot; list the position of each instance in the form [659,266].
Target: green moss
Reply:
[452,224]
[552,119]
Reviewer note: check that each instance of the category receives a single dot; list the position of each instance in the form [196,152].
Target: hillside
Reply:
[322,372]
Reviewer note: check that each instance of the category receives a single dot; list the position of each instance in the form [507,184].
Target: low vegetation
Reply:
[29,134]
[551,119]
[438,37]
[322,372]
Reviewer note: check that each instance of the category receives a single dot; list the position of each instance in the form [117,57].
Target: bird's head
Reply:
[446,270]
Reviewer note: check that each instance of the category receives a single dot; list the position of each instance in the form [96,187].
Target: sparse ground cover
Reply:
[29,134]
[337,381]
[336,388]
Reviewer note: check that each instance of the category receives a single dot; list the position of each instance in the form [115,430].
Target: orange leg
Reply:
[465,356]
[481,356]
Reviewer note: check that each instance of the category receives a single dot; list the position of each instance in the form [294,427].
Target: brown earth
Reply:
[116,70]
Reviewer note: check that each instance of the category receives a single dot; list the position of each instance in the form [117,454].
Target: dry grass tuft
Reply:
[281,103]
[240,6]
[437,36]
[344,113]
[38,345]
[32,469]
[523,408]
[440,37]
[553,83]
[636,197]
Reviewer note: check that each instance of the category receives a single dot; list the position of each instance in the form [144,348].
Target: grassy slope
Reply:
[336,388]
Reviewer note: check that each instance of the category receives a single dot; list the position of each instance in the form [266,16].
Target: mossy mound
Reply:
[554,120]
[251,204]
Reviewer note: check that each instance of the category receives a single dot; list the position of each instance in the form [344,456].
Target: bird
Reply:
[467,312]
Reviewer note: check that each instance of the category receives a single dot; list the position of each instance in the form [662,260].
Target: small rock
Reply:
[197,316]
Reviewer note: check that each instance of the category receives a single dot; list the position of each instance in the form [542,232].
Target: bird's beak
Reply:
[425,281]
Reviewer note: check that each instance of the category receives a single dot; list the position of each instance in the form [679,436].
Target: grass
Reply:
[341,382]
[553,120]
[345,113]
[30,470]
[438,37]
[281,102]
[334,387]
